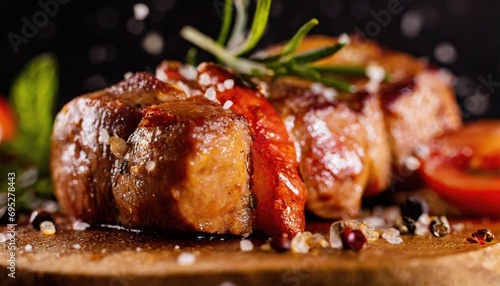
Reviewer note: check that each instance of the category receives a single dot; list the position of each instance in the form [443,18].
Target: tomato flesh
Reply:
[464,168]
[7,122]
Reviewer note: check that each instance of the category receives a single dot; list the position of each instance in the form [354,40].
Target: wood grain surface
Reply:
[117,257]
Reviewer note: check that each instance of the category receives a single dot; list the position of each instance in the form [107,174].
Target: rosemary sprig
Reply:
[285,63]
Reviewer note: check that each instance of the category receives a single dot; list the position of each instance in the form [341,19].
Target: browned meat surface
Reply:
[81,160]
[386,126]
[186,168]
[331,148]
[280,193]
[199,181]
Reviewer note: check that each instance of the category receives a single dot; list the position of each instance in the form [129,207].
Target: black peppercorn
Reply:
[281,243]
[39,216]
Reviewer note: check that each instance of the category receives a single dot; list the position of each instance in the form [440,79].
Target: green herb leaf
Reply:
[238,33]
[354,71]
[206,43]
[33,95]
[191,56]
[258,27]
[295,41]
[226,22]
[317,54]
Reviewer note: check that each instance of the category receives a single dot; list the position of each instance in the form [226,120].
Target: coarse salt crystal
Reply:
[394,240]
[317,88]
[329,94]
[138,249]
[189,72]
[220,87]
[411,163]
[3,238]
[344,39]
[183,87]
[422,225]
[210,94]
[335,230]
[103,136]
[376,75]
[304,241]
[374,221]
[161,75]
[177,247]
[127,75]
[77,246]
[28,248]
[375,72]
[48,228]
[246,245]
[392,235]
[228,84]
[205,79]
[150,166]
[227,104]
[80,225]
[186,259]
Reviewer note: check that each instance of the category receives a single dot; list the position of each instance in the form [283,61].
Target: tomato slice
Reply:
[464,167]
[7,121]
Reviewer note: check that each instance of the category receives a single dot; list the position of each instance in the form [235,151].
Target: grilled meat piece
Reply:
[331,147]
[387,125]
[193,177]
[182,164]
[279,191]
[186,169]
[81,160]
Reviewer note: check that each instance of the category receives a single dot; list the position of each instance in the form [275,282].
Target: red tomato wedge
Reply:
[7,121]
[464,168]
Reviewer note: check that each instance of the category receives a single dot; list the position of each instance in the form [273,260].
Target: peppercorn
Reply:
[39,216]
[353,239]
[410,224]
[281,243]
[439,226]
[482,236]
[414,207]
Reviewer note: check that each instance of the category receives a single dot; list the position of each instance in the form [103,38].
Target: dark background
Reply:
[96,42]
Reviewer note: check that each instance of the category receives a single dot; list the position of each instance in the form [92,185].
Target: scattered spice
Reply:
[439,226]
[80,225]
[118,146]
[281,243]
[186,259]
[39,216]
[481,236]
[413,208]
[246,245]
[392,235]
[335,230]
[353,239]
[305,241]
[48,228]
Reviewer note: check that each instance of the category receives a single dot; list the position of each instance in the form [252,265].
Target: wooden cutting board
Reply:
[117,257]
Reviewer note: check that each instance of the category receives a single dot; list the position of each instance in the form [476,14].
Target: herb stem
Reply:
[226,22]
[209,45]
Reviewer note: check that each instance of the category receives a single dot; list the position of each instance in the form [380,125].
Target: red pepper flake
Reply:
[481,236]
